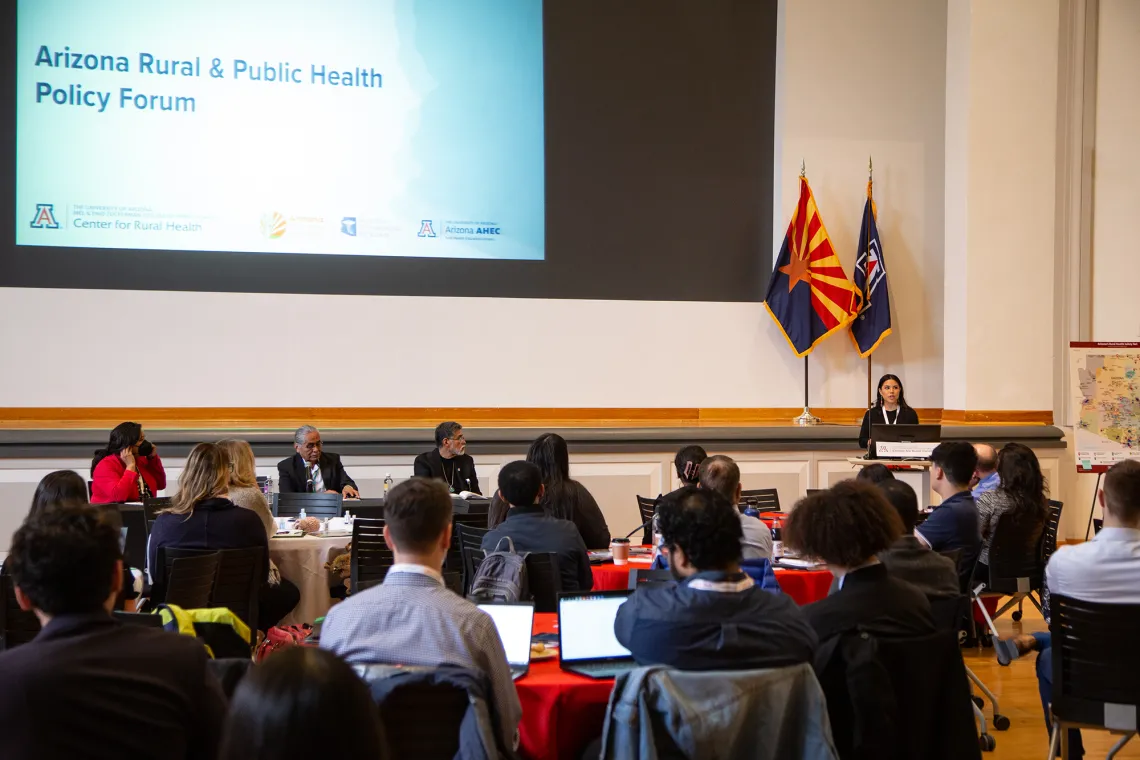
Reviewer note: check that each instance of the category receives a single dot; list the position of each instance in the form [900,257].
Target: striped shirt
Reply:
[413,619]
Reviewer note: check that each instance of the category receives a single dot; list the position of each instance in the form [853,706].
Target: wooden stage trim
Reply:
[49,418]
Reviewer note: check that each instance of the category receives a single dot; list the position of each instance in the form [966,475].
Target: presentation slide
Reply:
[398,128]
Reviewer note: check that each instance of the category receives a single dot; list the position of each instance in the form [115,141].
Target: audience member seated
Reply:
[561,496]
[449,461]
[412,618]
[954,523]
[688,464]
[244,491]
[985,474]
[88,686]
[875,474]
[531,528]
[716,617]
[129,469]
[312,469]
[722,475]
[845,527]
[303,703]
[908,558]
[201,517]
[1103,570]
[1021,497]
[59,487]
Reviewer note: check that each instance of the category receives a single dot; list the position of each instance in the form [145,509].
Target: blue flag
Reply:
[873,322]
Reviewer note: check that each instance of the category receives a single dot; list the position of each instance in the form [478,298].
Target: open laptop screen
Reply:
[586,625]
[514,623]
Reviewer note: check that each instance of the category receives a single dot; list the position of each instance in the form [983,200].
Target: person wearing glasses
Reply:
[449,460]
[313,470]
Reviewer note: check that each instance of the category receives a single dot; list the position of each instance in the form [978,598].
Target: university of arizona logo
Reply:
[45,217]
[425,229]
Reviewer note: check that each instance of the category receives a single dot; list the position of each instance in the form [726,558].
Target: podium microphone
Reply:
[643,526]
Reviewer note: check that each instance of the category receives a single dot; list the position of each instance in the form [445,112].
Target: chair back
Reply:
[454,559]
[421,718]
[134,520]
[1015,560]
[761,499]
[368,511]
[145,619]
[371,557]
[315,504]
[240,576]
[16,626]
[471,550]
[1049,535]
[190,579]
[646,508]
[639,578]
[544,580]
[1096,663]
[152,506]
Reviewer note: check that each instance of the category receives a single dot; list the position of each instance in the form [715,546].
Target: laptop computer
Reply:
[586,641]
[514,622]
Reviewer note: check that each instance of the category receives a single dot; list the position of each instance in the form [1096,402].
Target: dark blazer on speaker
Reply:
[88,686]
[458,472]
[293,474]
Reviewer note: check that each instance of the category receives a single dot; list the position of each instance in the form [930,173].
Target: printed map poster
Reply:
[1106,403]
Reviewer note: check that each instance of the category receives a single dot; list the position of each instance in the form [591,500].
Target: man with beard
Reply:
[715,617]
[449,460]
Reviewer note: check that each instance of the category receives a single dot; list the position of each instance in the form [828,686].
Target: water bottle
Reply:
[387,483]
[778,538]
[302,516]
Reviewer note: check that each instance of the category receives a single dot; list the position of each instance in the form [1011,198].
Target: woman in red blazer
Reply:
[129,469]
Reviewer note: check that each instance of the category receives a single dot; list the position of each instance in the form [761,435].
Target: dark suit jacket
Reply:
[293,474]
[909,560]
[533,531]
[88,686]
[460,470]
[872,601]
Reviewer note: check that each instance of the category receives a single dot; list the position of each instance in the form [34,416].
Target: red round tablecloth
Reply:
[803,586]
[561,712]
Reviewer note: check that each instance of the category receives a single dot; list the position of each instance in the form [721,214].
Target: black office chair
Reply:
[240,577]
[543,580]
[761,499]
[471,549]
[153,505]
[320,505]
[454,560]
[189,580]
[145,619]
[1096,667]
[134,520]
[639,578]
[16,626]
[1015,568]
[421,719]
[646,508]
[950,614]
[371,557]
[370,511]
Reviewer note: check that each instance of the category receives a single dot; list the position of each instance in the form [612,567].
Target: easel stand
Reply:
[1092,509]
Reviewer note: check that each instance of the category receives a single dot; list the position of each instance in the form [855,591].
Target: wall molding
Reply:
[284,418]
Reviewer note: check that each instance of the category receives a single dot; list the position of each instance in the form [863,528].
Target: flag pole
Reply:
[807,418]
[866,244]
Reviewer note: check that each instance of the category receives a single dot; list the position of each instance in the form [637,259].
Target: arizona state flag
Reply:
[873,324]
[809,295]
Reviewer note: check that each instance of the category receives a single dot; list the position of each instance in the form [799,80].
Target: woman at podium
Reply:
[890,409]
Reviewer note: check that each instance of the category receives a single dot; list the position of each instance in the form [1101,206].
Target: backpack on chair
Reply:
[501,576]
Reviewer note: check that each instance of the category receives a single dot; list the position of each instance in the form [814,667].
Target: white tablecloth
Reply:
[302,561]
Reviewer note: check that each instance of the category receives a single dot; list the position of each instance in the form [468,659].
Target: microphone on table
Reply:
[309,485]
[643,526]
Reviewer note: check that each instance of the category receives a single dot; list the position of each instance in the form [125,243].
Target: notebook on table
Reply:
[586,641]
[514,622]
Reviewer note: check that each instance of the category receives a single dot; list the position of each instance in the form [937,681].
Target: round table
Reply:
[302,561]
[803,586]
[561,712]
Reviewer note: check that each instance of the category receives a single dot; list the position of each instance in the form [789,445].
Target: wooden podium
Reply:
[914,472]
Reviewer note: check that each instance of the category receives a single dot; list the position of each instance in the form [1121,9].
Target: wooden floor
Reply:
[1016,690]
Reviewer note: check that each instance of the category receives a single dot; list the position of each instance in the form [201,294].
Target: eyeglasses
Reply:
[459,439]
[313,445]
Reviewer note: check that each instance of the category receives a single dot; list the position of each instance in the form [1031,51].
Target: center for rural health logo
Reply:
[272,225]
[425,229]
[45,217]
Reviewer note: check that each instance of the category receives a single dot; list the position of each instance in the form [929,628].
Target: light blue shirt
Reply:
[988,483]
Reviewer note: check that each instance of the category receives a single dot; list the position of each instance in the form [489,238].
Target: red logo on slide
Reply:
[45,217]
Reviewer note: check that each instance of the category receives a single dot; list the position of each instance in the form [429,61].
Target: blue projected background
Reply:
[371,127]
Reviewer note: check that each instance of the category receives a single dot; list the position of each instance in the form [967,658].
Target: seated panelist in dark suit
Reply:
[89,686]
[313,470]
[448,461]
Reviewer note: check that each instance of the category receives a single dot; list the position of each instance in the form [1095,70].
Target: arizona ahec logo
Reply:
[45,217]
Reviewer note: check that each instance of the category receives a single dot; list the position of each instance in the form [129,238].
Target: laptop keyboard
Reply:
[601,668]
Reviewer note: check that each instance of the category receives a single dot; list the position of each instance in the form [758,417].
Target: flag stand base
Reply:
[807,418]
